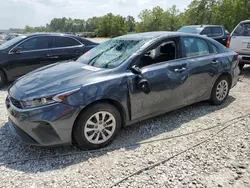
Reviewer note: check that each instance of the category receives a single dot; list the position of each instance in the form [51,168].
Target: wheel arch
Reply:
[113,102]
[228,75]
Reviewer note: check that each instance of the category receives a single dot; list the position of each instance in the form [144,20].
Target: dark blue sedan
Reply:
[120,82]
[26,53]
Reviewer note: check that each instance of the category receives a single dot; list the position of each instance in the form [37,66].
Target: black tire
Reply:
[2,78]
[79,127]
[214,98]
[241,65]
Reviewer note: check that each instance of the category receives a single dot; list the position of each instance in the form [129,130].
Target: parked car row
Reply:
[117,83]
[239,40]
[216,32]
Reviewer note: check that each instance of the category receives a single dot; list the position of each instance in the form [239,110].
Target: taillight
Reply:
[228,42]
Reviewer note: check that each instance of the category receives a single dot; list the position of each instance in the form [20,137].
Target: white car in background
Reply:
[239,41]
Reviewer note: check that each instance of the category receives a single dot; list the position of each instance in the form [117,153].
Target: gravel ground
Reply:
[222,162]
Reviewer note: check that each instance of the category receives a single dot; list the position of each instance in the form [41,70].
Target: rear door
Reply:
[66,48]
[202,67]
[240,39]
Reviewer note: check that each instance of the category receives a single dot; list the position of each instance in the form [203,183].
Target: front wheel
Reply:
[97,126]
[220,90]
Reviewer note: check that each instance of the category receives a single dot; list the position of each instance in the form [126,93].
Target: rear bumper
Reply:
[244,59]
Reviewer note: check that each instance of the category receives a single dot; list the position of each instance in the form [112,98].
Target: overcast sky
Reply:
[18,13]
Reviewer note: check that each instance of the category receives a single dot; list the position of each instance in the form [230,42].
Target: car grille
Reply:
[15,102]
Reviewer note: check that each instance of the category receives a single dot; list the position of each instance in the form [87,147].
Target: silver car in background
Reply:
[239,41]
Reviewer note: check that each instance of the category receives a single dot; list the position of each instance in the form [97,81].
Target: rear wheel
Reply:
[2,78]
[97,126]
[220,90]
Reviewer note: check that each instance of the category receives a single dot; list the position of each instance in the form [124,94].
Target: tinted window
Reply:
[242,30]
[207,31]
[217,31]
[195,47]
[193,30]
[65,42]
[37,43]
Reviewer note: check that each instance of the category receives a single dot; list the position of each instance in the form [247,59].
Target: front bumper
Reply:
[244,59]
[45,126]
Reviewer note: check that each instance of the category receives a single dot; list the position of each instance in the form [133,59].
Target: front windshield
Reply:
[11,42]
[193,30]
[111,53]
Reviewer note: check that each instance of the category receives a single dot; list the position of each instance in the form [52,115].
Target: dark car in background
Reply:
[216,32]
[120,82]
[28,52]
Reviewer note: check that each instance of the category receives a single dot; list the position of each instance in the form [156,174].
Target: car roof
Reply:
[152,35]
[50,34]
[245,21]
[203,26]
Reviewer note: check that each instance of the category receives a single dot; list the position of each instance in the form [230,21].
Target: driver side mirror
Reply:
[135,70]
[17,50]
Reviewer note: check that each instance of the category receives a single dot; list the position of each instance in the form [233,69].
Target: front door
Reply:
[166,73]
[31,54]
[166,81]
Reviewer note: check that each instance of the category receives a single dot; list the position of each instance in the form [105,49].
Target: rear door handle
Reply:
[180,69]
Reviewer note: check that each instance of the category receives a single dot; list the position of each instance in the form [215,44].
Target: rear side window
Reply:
[65,42]
[242,29]
[36,43]
[217,31]
[195,47]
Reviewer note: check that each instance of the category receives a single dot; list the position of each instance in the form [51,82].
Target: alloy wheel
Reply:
[100,127]
[222,90]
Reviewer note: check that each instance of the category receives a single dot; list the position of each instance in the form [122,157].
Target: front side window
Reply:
[207,31]
[193,30]
[164,52]
[111,53]
[65,42]
[242,29]
[36,43]
[195,47]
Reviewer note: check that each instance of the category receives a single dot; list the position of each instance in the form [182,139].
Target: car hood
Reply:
[56,78]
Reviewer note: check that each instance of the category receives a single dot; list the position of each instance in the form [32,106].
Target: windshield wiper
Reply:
[91,62]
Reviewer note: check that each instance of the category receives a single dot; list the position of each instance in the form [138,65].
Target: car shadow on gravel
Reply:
[13,150]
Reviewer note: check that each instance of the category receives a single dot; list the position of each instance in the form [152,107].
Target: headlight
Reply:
[47,100]
[37,102]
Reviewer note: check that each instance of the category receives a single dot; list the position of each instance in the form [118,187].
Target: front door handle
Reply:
[180,69]
[215,61]
[52,56]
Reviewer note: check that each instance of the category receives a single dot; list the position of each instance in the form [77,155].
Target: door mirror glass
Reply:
[17,50]
[135,70]
[144,86]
